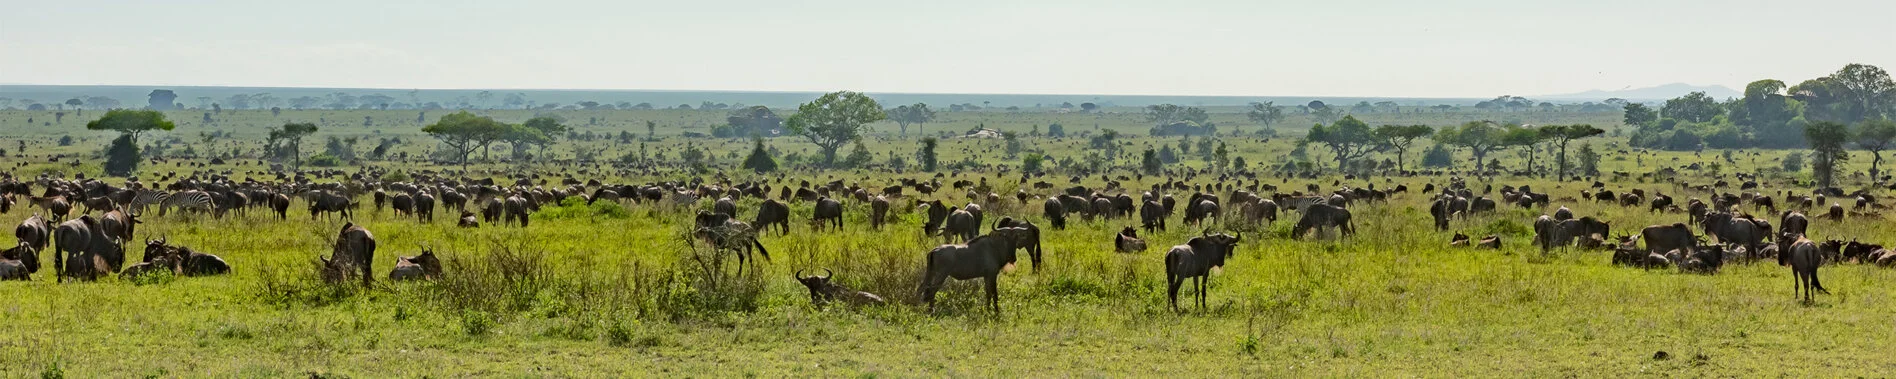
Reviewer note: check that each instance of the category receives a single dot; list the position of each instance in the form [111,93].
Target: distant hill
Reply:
[1662,92]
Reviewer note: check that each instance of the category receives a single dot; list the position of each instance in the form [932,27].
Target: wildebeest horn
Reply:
[798,275]
[827,273]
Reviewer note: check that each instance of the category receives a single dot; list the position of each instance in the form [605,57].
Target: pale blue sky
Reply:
[1452,48]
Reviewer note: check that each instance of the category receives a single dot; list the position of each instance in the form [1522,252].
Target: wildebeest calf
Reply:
[822,291]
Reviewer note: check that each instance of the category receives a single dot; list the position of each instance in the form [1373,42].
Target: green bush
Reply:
[325,160]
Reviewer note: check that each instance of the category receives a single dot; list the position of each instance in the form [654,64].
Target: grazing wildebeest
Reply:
[280,204]
[1803,258]
[1664,238]
[1563,214]
[982,257]
[1728,228]
[1152,215]
[827,213]
[1794,222]
[492,210]
[354,250]
[1197,259]
[56,206]
[1546,232]
[35,231]
[878,212]
[424,207]
[1836,212]
[937,216]
[1481,205]
[1033,237]
[1196,213]
[725,233]
[424,266]
[772,213]
[517,208]
[1439,211]
[86,251]
[726,206]
[1260,210]
[321,202]
[1321,217]
[1055,212]
[823,291]
[1102,208]
[1127,241]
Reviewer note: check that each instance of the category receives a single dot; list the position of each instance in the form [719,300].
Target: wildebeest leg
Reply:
[993,294]
[1200,281]
[1172,283]
[931,283]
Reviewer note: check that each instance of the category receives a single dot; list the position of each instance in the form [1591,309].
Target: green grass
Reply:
[603,291]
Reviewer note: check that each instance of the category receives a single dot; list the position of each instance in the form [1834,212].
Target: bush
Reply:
[325,160]
[1438,156]
[1033,162]
[1794,162]
[396,176]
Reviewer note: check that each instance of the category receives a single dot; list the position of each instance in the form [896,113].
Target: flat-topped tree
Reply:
[1561,134]
[1400,137]
[835,119]
[466,132]
[292,134]
[1480,137]
[131,122]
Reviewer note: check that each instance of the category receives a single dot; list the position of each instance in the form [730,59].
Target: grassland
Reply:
[613,290]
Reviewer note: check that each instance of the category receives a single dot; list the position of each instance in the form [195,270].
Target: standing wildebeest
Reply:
[56,206]
[1836,212]
[404,205]
[878,212]
[982,257]
[1260,211]
[86,251]
[961,225]
[1439,210]
[1794,222]
[424,207]
[822,291]
[772,213]
[1481,205]
[321,202]
[937,215]
[1664,238]
[1152,215]
[119,224]
[827,213]
[1055,212]
[725,233]
[726,206]
[1803,258]
[280,204]
[1324,216]
[517,210]
[1743,231]
[354,250]
[1196,260]
[492,210]
[1033,237]
[424,266]
[35,231]
[1563,214]
[1204,209]
[1545,232]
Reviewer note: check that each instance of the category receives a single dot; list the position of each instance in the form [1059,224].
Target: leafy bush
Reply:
[325,160]
[1794,162]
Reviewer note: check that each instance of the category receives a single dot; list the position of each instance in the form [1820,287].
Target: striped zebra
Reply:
[192,200]
[144,200]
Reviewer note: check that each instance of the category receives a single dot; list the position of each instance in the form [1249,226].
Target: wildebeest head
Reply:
[816,284]
[25,253]
[1217,247]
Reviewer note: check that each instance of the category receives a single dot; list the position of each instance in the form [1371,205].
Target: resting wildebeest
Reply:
[1323,216]
[1196,260]
[86,251]
[772,213]
[822,291]
[1055,211]
[424,266]
[1490,242]
[19,262]
[725,233]
[1127,241]
[1803,258]
[827,213]
[983,257]
[468,220]
[354,250]
[1664,238]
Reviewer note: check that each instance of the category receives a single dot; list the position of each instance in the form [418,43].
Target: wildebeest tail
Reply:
[1814,283]
[760,249]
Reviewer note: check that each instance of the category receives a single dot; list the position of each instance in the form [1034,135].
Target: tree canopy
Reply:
[1479,137]
[1400,137]
[1826,145]
[1265,113]
[465,132]
[1347,139]
[917,114]
[835,119]
[288,139]
[131,122]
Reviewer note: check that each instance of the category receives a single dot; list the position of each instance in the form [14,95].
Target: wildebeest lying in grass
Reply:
[188,262]
[1197,259]
[19,262]
[1127,241]
[983,257]
[468,220]
[424,266]
[1490,242]
[822,291]
[1458,240]
[354,250]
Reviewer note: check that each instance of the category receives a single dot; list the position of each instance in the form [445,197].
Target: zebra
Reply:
[193,200]
[144,200]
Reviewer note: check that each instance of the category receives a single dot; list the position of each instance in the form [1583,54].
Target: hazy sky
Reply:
[1440,48]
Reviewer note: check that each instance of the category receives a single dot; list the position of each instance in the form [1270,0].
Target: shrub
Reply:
[1794,162]
[325,160]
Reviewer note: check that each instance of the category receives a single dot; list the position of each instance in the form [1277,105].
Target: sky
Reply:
[1440,48]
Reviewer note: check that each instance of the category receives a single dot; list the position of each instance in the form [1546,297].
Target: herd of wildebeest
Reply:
[91,245]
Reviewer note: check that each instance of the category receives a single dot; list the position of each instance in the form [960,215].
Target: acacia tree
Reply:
[131,122]
[1480,137]
[1526,138]
[1826,145]
[465,132]
[1400,137]
[1347,138]
[1265,113]
[292,134]
[1876,136]
[917,114]
[835,119]
[550,128]
[1561,134]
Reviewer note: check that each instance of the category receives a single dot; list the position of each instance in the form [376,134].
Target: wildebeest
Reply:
[424,266]
[1802,256]
[1199,211]
[468,220]
[1743,231]
[404,204]
[823,291]
[982,257]
[725,233]
[1794,222]
[1055,211]
[1836,212]
[1197,259]
[827,213]
[86,251]
[1490,242]
[726,206]
[424,207]
[1438,211]
[354,250]
[1321,217]
[772,213]
[19,262]
[1127,241]
[960,226]
[1032,239]
[516,207]
[937,216]
[35,231]
[183,260]
[1260,210]
[1664,238]
[1563,214]
[1152,215]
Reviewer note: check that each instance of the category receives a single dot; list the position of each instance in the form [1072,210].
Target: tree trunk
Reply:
[1875,178]
[1563,162]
